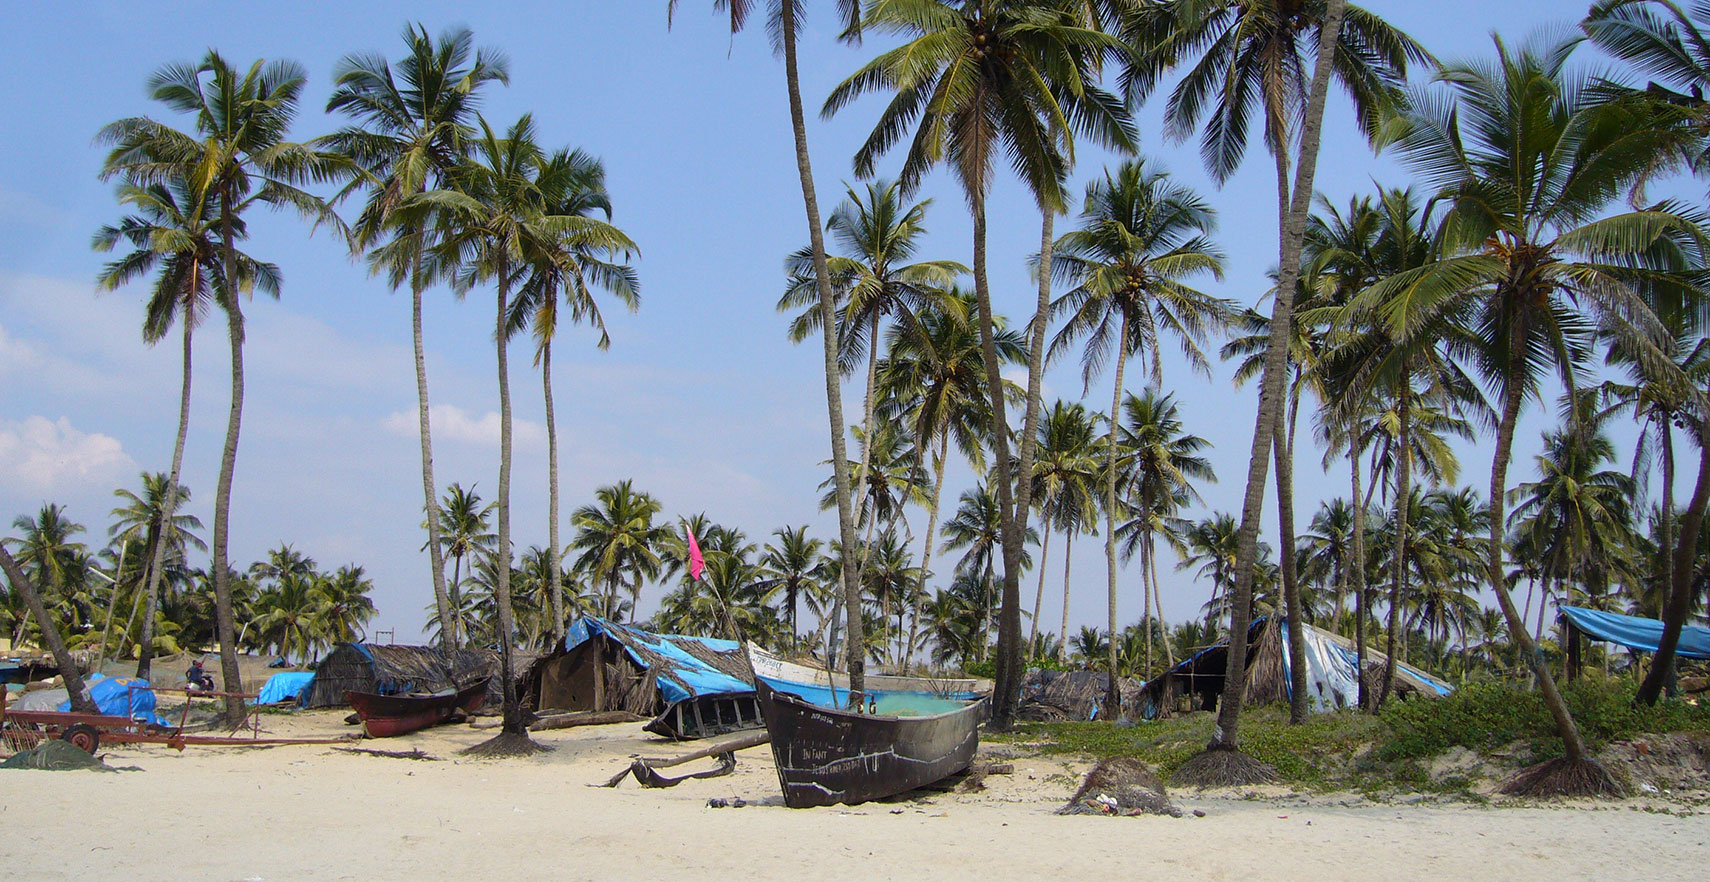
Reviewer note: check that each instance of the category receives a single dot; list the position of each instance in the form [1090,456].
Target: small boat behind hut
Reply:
[384,716]
[826,756]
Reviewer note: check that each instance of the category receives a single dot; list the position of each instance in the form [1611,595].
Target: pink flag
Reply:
[697,563]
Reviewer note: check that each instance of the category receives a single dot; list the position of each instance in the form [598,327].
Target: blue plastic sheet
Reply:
[686,676]
[115,697]
[286,686]
[1636,633]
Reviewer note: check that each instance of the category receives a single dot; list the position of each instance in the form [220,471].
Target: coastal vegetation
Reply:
[1523,267]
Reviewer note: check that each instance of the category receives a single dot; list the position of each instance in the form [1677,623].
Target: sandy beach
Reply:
[316,812]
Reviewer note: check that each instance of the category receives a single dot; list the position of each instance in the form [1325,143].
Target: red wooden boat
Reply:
[384,716]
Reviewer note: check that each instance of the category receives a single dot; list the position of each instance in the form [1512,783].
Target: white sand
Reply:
[311,812]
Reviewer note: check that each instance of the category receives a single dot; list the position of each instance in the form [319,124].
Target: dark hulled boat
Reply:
[826,756]
[384,716]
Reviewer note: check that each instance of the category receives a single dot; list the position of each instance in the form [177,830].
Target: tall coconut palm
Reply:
[465,531]
[1065,478]
[500,209]
[411,128]
[573,185]
[975,78]
[933,381]
[1141,235]
[1537,158]
[793,566]
[152,518]
[238,157]
[1162,460]
[1251,57]
[784,22]
[175,229]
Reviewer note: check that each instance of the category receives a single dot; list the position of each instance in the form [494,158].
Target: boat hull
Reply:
[386,716]
[827,757]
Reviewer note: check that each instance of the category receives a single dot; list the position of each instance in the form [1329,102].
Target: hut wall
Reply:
[569,681]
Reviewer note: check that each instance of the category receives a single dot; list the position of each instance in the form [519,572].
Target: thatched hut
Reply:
[389,670]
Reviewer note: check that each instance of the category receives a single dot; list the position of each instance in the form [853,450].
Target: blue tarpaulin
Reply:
[111,695]
[1636,633]
[286,686]
[678,673]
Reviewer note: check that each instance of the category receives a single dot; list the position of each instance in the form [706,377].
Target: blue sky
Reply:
[701,399]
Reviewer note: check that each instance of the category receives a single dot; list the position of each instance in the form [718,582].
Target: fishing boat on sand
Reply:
[384,716]
[827,756]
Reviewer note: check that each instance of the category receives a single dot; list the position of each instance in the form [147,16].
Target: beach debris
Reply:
[1120,786]
[1199,813]
[645,774]
[974,779]
[732,745]
[416,754]
[55,755]
[585,718]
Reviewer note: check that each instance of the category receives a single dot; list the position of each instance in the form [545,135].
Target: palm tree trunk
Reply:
[1009,699]
[51,638]
[513,721]
[224,628]
[451,638]
[1357,569]
[926,552]
[1158,602]
[553,581]
[1146,604]
[169,506]
[1679,604]
[1271,393]
[1299,699]
[1398,562]
[1039,593]
[1068,557]
[862,470]
[828,326]
[436,553]
[1571,740]
[1113,689]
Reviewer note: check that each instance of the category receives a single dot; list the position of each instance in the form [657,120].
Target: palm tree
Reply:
[973,78]
[465,530]
[1140,236]
[1528,267]
[143,517]
[346,607]
[238,157]
[1212,545]
[1251,57]
[575,186]
[784,22]
[976,526]
[619,541]
[174,228]
[1161,463]
[793,566]
[933,381]
[411,129]
[1578,516]
[1064,489]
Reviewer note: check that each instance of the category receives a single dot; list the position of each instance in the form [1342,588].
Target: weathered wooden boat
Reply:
[831,688]
[826,756]
[384,716]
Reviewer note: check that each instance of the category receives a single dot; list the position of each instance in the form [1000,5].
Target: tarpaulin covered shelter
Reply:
[1057,696]
[694,686]
[1332,673]
[286,686]
[1634,632]
[114,696]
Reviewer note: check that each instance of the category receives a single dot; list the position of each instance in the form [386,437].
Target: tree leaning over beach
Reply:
[237,157]
[784,22]
[412,127]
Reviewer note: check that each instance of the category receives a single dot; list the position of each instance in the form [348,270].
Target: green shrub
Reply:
[1486,716]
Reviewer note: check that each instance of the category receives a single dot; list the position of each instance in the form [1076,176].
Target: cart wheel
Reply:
[82,736]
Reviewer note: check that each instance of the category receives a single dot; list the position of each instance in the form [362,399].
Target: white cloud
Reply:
[51,456]
[16,354]
[452,423]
